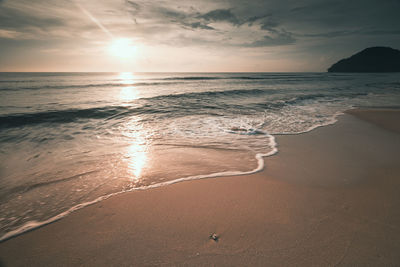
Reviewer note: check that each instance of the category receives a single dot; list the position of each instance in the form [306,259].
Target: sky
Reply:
[192,36]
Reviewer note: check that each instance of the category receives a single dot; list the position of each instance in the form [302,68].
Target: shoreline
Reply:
[240,192]
[259,157]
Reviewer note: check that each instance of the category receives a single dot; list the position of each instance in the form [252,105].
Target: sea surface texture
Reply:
[71,139]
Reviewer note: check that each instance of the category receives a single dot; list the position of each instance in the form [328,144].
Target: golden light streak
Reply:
[92,18]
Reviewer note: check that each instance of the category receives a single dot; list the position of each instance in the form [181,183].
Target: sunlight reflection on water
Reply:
[128,93]
[136,151]
[126,77]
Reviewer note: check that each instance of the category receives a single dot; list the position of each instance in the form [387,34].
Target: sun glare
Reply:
[122,48]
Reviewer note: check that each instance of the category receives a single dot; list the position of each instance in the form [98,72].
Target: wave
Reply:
[261,77]
[196,78]
[26,84]
[200,95]
[17,81]
[257,92]
[59,116]
[73,115]
[96,85]
[177,104]
[109,112]
[177,78]
[159,104]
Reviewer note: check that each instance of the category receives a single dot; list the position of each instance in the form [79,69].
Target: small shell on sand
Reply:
[214,237]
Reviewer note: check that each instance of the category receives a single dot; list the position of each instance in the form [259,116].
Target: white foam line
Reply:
[31,225]
[332,121]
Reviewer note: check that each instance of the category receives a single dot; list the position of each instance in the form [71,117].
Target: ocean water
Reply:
[71,139]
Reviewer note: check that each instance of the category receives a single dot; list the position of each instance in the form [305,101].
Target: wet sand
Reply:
[329,197]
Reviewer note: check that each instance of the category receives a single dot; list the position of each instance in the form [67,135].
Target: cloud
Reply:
[33,20]
[223,25]
[213,25]
[381,32]
[277,38]
[134,8]
[17,19]
[5,34]
[269,24]
[171,13]
[164,17]
[199,25]
[219,15]
[358,32]
[253,19]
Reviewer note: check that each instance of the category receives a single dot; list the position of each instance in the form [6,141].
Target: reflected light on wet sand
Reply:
[137,158]
[136,152]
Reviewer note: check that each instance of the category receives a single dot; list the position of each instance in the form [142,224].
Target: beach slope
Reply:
[329,197]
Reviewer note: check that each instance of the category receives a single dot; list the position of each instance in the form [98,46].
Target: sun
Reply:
[122,48]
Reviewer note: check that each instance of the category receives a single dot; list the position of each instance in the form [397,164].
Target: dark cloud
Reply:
[192,18]
[269,24]
[134,8]
[199,25]
[276,39]
[171,13]
[255,18]
[185,19]
[189,19]
[343,33]
[347,15]
[16,20]
[270,31]
[381,32]
[328,34]
[219,15]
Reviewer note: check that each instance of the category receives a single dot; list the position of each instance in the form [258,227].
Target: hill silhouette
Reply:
[373,59]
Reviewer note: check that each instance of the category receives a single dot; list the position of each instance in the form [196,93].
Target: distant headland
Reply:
[373,59]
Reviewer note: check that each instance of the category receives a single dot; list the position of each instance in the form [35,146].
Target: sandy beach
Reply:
[329,197]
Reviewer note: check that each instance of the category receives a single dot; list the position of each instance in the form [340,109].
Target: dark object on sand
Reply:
[214,237]
[373,59]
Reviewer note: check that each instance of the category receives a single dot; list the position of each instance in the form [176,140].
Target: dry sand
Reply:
[330,197]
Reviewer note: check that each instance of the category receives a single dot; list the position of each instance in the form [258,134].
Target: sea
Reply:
[68,140]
